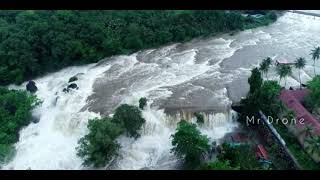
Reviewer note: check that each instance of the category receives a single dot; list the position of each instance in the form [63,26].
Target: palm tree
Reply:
[314,145]
[300,63]
[265,66]
[315,56]
[283,71]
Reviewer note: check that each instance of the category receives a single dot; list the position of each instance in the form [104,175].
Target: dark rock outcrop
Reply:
[70,86]
[72,79]
[31,87]
[237,107]
[35,119]
[73,86]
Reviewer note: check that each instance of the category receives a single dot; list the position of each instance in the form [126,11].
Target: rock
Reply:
[73,86]
[70,86]
[31,86]
[65,90]
[55,101]
[72,79]
[35,119]
[237,107]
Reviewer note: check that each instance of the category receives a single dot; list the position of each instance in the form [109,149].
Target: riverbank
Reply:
[82,37]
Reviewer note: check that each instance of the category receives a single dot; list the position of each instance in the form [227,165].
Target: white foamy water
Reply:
[50,144]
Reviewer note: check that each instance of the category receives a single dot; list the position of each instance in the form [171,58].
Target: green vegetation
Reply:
[15,113]
[219,165]
[315,56]
[200,117]
[265,99]
[129,117]
[265,66]
[255,80]
[263,95]
[34,42]
[300,63]
[312,101]
[284,71]
[142,102]
[240,157]
[295,148]
[99,146]
[313,145]
[189,144]
[251,22]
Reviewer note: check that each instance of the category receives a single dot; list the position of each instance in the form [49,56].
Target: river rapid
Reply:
[204,75]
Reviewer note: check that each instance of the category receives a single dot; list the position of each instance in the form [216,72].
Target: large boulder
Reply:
[72,79]
[73,86]
[237,106]
[31,86]
[35,119]
[70,86]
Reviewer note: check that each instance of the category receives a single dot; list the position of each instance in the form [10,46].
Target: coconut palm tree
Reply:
[284,71]
[314,145]
[265,66]
[300,63]
[315,56]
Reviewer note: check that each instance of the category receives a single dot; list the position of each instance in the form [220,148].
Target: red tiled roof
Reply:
[292,99]
[261,152]
[284,61]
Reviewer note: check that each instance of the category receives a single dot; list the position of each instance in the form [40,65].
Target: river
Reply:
[204,75]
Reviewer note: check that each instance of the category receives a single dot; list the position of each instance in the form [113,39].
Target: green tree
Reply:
[15,113]
[313,146]
[129,117]
[255,80]
[284,71]
[265,99]
[241,156]
[265,66]
[315,56]
[189,144]
[300,63]
[99,146]
[313,99]
[35,42]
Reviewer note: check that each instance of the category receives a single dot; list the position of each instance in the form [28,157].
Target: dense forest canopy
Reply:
[15,113]
[33,42]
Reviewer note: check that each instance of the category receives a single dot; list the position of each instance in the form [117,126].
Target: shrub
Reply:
[99,146]
[189,144]
[129,117]
[15,113]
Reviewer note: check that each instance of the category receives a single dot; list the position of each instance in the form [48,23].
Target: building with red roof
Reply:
[283,62]
[292,99]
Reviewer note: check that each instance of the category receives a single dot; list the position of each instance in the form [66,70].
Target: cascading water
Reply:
[204,75]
